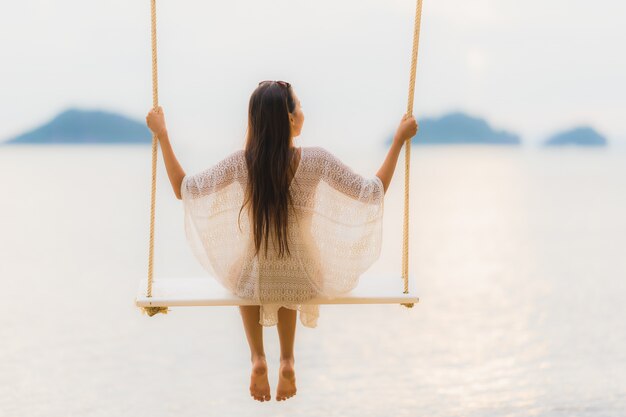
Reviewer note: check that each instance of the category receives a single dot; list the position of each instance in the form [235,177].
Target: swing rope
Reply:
[407,151]
[151,311]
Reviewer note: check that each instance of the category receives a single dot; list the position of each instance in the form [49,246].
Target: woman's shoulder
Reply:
[315,150]
[238,154]
[322,157]
[233,162]
[317,153]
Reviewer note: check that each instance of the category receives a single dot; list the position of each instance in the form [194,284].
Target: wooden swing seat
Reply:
[206,291]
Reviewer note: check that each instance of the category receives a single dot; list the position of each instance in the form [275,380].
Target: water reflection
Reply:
[519,268]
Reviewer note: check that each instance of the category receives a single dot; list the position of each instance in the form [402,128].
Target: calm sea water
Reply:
[520,263]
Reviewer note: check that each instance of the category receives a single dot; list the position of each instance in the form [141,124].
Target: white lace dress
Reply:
[334,233]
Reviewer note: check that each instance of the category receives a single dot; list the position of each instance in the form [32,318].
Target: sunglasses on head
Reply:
[281,83]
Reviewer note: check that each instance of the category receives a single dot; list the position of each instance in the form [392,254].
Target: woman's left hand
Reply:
[156,121]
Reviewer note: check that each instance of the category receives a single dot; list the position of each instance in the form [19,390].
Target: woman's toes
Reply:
[261,397]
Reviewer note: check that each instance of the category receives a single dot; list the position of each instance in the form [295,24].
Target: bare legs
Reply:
[259,385]
[286,374]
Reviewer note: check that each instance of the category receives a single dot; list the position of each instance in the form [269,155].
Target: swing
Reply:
[156,295]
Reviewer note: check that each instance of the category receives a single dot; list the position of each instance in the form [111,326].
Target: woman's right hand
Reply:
[406,130]
[156,122]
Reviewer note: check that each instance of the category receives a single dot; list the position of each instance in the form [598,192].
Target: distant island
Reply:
[460,128]
[79,126]
[579,136]
[75,126]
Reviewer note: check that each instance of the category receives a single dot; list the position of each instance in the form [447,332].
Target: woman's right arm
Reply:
[406,130]
[156,123]
[174,171]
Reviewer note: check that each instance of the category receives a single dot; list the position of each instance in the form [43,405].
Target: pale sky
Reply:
[533,67]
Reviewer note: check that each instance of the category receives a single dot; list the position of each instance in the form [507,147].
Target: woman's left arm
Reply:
[156,123]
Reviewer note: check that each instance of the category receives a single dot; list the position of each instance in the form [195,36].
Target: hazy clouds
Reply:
[533,66]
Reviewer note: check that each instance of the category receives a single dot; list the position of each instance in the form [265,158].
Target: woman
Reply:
[280,225]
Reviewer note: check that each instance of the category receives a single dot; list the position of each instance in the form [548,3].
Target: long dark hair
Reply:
[268,155]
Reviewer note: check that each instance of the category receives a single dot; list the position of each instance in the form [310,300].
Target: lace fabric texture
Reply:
[334,233]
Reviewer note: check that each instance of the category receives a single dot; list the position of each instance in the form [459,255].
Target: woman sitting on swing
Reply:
[324,222]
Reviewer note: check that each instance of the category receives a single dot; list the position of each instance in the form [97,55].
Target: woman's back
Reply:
[334,231]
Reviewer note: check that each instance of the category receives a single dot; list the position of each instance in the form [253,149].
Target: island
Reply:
[76,126]
[460,128]
[578,136]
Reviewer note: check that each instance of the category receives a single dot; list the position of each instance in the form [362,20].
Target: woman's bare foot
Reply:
[286,380]
[259,385]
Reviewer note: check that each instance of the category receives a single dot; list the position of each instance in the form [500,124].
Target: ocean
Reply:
[519,262]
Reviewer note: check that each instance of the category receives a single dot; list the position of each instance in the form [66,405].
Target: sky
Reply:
[532,67]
